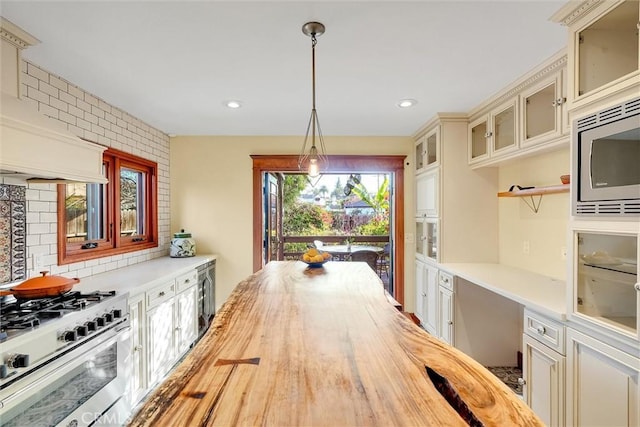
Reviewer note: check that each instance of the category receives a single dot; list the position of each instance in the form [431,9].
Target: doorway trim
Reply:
[337,164]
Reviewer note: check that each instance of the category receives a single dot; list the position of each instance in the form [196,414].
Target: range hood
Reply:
[33,146]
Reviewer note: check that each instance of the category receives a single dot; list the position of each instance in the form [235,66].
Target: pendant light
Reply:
[315,160]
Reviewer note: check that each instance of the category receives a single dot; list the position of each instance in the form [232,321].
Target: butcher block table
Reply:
[295,346]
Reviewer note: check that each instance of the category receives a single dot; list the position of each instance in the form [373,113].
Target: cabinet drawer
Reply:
[445,280]
[186,281]
[160,294]
[545,330]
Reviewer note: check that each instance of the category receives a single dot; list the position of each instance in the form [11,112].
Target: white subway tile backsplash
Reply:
[84,106]
[35,71]
[58,83]
[37,206]
[48,110]
[48,217]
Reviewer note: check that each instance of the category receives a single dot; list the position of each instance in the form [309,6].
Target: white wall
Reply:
[546,231]
[89,117]
[211,194]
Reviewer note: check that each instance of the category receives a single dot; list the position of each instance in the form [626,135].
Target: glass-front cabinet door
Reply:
[606,276]
[607,48]
[428,150]
[478,140]
[503,135]
[426,240]
[542,110]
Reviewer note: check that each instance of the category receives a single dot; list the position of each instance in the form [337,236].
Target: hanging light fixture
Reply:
[315,160]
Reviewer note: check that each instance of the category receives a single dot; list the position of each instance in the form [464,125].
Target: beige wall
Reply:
[546,231]
[211,194]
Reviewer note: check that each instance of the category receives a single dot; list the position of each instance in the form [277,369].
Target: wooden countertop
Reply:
[299,347]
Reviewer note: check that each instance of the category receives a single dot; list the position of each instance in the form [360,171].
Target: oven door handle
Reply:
[105,340]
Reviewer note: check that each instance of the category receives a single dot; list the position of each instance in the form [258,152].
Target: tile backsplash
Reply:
[91,118]
[13,249]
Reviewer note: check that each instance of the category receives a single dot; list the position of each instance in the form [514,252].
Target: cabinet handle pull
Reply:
[541,330]
[161,294]
[521,381]
[637,286]
[450,322]
[137,348]
[488,134]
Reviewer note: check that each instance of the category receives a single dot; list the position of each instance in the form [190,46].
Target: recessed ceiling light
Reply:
[233,104]
[406,103]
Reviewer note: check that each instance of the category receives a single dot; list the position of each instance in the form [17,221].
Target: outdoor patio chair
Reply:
[383,261]
[370,257]
[318,244]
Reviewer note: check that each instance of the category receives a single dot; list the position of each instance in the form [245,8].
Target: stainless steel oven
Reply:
[81,381]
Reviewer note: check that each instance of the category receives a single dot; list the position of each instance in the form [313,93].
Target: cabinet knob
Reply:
[541,330]
[637,286]
[488,134]
[161,294]
[137,348]
[521,381]
[450,322]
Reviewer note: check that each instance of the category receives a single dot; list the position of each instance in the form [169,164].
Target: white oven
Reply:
[84,385]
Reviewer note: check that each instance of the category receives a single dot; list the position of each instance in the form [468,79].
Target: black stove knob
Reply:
[100,321]
[108,317]
[3,371]
[18,361]
[70,335]
[82,330]
[117,314]
[91,325]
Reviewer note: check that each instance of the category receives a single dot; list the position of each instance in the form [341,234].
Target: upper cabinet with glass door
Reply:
[603,49]
[428,150]
[494,134]
[544,112]
[525,117]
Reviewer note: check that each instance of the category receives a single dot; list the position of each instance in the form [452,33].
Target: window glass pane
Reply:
[85,206]
[132,202]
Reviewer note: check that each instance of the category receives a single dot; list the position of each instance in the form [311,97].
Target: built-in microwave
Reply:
[606,155]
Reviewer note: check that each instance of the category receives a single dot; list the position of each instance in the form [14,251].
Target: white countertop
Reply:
[540,293]
[140,277]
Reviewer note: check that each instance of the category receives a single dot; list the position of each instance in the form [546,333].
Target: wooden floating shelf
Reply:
[536,191]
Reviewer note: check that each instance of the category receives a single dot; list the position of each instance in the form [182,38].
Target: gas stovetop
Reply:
[36,331]
[19,316]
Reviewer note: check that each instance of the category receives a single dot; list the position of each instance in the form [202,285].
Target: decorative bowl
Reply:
[311,264]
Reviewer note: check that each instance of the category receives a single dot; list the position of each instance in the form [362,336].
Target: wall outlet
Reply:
[525,247]
[563,252]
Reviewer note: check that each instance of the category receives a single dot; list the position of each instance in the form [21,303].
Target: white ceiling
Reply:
[174,63]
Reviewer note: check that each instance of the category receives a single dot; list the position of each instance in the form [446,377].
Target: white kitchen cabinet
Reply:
[420,285]
[528,116]
[427,194]
[603,383]
[160,337]
[543,386]
[446,307]
[172,323]
[138,380]
[186,319]
[603,50]
[499,130]
[428,150]
[543,381]
[426,240]
[431,300]
[544,111]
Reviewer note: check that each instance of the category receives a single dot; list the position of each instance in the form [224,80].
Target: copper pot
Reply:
[41,287]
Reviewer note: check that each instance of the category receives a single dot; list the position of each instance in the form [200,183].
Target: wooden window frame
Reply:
[113,243]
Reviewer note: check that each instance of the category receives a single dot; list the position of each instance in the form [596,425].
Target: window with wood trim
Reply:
[99,220]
